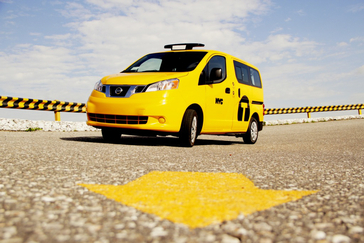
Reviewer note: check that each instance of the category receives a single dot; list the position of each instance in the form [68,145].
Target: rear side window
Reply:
[242,73]
[254,76]
[247,75]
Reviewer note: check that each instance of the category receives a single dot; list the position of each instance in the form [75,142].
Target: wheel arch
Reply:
[260,124]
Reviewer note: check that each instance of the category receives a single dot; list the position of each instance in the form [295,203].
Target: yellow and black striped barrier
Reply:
[309,109]
[45,105]
[62,106]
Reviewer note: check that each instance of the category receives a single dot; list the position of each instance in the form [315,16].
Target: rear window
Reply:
[167,62]
[247,75]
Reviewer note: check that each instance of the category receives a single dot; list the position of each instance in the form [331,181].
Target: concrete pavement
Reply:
[41,199]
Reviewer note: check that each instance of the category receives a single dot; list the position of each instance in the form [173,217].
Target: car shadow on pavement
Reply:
[151,141]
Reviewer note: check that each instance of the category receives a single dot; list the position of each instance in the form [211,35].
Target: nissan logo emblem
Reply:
[118,90]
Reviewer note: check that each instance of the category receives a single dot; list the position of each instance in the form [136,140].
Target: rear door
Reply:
[242,101]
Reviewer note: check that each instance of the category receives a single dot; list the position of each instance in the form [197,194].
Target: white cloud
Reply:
[185,10]
[59,37]
[301,12]
[356,8]
[146,26]
[276,30]
[359,71]
[298,84]
[76,10]
[357,39]
[49,72]
[342,44]
[280,47]
[109,4]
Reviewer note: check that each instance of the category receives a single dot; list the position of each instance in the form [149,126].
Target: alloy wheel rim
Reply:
[193,129]
[254,131]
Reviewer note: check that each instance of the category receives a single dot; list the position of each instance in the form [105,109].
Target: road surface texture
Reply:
[42,198]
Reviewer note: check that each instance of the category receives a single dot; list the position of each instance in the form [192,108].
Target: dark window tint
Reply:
[167,62]
[241,72]
[255,78]
[211,71]
[247,75]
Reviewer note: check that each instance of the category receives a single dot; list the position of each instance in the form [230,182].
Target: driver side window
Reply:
[214,72]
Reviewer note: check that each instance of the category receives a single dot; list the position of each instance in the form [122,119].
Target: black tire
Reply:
[111,134]
[189,128]
[251,136]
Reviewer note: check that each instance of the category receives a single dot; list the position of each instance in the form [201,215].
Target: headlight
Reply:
[164,85]
[99,86]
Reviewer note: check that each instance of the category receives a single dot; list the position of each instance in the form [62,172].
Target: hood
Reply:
[140,78]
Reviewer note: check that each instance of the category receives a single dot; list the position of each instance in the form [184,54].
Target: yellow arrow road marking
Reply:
[194,198]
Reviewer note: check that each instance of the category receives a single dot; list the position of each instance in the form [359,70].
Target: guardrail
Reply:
[63,106]
[310,109]
[46,105]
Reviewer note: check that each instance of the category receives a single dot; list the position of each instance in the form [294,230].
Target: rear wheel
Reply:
[111,134]
[251,136]
[189,128]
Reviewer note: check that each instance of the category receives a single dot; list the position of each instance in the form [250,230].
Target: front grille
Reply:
[122,91]
[119,91]
[117,119]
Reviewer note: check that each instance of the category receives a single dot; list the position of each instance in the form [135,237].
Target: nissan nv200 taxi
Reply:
[183,92]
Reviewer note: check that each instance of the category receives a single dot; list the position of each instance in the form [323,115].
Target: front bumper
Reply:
[155,111]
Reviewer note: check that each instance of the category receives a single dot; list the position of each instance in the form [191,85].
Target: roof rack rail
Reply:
[184,46]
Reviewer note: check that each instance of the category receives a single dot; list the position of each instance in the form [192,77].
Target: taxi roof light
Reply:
[183,46]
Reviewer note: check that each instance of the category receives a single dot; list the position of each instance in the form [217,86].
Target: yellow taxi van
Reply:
[183,92]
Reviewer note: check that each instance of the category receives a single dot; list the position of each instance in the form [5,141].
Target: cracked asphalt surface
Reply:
[41,201]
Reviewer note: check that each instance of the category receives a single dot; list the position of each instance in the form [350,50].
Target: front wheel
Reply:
[251,136]
[189,128]
[111,134]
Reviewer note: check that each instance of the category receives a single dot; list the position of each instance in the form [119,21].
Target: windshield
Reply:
[167,62]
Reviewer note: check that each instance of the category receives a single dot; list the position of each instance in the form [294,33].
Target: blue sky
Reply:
[310,53]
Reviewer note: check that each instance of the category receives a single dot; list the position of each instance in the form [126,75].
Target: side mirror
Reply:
[216,74]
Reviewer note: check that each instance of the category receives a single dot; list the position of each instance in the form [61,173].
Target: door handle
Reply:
[227,90]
